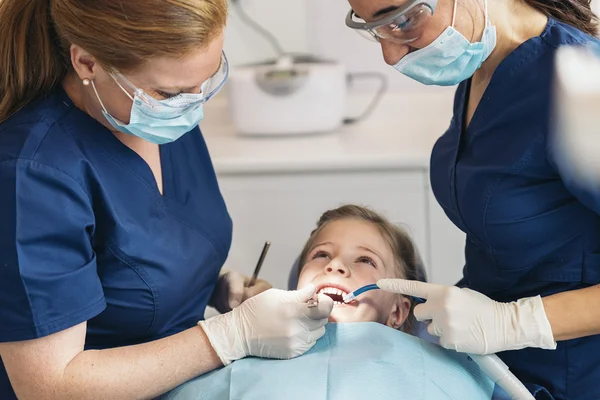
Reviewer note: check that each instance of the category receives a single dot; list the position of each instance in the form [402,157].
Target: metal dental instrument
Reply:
[261,260]
[353,295]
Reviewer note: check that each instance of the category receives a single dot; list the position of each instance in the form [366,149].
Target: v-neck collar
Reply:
[121,154]
[517,59]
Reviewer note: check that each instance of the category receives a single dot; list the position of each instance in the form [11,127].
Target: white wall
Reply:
[313,26]
[286,19]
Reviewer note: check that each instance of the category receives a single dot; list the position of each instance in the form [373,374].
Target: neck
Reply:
[515,22]
[74,88]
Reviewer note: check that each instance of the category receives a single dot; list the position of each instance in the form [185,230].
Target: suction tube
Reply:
[498,372]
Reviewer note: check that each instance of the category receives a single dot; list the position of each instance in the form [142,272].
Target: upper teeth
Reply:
[332,290]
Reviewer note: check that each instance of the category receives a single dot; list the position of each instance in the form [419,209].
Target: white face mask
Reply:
[160,123]
[451,58]
[164,121]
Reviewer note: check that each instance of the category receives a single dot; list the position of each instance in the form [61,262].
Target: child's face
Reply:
[348,254]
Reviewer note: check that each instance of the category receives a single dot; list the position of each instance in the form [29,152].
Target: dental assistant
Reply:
[531,285]
[113,230]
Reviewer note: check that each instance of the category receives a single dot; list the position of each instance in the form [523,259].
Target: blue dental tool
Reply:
[353,295]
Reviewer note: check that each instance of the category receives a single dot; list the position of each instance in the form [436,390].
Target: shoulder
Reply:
[558,34]
[44,133]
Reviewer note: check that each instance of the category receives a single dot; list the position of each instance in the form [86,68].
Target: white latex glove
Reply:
[470,322]
[232,290]
[274,324]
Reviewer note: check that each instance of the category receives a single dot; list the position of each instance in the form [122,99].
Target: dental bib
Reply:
[351,361]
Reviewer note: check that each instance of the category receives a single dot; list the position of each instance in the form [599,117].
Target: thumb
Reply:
[236,289]
[323,310]
[407,287]
[306,293]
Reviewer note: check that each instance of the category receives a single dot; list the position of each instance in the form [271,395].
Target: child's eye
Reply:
[321,254]
[367,260]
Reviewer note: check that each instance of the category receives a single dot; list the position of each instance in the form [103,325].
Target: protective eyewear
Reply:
[182,101]
[403,25]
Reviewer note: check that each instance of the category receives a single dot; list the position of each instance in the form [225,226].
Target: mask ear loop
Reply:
[485,2]
[487,19]
[121,87]
[98,96]
[454,13]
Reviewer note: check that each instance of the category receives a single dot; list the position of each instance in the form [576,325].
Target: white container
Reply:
[290,96]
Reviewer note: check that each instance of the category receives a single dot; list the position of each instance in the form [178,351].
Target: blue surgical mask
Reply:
[451,58]
[156,121]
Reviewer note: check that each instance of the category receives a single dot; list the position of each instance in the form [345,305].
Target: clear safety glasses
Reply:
[403,25]
[181,101]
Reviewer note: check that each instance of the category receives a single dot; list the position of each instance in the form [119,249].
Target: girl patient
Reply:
[353,247]
[366,351]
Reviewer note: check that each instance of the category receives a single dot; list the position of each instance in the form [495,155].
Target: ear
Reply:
[84,63]
[398,313]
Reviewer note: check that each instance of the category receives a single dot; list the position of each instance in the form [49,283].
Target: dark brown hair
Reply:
[408,263]
[577,13]
[120,35]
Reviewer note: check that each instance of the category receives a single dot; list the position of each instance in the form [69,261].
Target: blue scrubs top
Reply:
[85,235]
[530,229]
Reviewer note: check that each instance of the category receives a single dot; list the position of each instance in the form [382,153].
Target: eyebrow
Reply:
[189,89]
[384,11]
[381,12]
[320,244]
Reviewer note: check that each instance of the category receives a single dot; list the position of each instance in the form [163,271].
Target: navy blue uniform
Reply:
[530,229]
[85,235]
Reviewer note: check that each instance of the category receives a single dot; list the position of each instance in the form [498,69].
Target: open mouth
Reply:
[337,295]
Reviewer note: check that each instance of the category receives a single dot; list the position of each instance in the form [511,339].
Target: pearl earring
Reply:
[86,82]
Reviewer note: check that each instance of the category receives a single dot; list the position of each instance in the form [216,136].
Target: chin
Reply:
[344,313]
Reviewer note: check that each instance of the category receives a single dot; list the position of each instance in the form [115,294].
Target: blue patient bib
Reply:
[363,360]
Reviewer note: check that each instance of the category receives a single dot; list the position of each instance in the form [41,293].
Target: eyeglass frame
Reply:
[151,101]
[372,26]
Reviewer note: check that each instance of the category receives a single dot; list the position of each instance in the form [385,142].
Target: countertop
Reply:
[399,134]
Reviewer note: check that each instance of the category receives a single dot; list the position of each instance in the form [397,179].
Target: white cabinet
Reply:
[447,245]
[284,208]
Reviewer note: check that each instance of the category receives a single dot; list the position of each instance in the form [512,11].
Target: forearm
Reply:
[139,372]
[574,314]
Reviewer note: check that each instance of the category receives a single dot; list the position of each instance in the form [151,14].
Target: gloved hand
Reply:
[232,290]
[274,324]
[470,322]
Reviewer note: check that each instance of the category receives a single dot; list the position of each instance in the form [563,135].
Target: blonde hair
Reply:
[120,35]
[408,263]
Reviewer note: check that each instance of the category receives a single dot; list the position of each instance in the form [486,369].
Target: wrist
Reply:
[212,358]
[530,324]
[225,333]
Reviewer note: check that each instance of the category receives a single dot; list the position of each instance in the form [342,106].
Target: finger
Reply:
[447,344]
[304,294]
[236,289]
[259,287]
[434,329]
[323,309]
[423,312]
[223,272]
[408,287]
[315,335]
